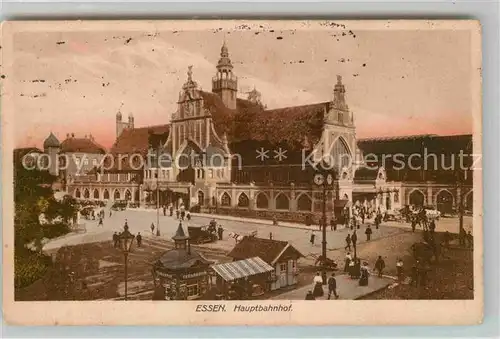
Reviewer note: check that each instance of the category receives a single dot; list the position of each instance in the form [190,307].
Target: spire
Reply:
[224,63]
[339,95]
[180,238]
[189,84]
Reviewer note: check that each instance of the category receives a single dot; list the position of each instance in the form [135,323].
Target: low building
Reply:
[181,273]
[243,278]
[281,255]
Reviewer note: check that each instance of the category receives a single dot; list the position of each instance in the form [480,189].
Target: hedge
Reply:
[29,267]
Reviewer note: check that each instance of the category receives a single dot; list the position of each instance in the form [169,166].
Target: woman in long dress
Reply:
[318,286]
[363,280]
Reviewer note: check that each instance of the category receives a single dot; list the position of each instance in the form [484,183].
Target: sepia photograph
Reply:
[258,168]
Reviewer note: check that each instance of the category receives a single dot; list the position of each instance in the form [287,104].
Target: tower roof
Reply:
[179,234]
[51,141]
[224,61]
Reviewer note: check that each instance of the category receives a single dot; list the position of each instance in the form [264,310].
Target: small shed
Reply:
[281,255]
[243,278]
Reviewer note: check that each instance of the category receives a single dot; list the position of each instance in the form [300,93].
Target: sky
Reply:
[398,82]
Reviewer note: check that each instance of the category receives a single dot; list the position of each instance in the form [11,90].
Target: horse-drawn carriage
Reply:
[202,234]
[327,263]
[119,205]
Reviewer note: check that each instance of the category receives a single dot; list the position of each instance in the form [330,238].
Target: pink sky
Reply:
[398,82]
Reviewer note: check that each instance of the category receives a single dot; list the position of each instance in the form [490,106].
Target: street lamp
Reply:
[126,239]
[324,179]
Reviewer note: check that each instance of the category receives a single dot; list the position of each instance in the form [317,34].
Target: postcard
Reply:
[270,172]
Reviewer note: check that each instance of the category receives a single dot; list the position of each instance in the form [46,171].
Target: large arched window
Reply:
[304,203]
[225,200]
[201,198]
[417,198]
[116,195]
[96,194]
[243,200]
[282,202]
[78,194]
[340,154]
[106,194]
[262,201]
[128,195]
[86,194]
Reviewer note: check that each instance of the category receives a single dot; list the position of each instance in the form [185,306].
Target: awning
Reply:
[242,268]
[341,203]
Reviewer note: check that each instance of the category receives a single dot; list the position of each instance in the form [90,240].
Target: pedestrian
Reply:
[380,265]
[275,221]
[312,238]
[348,242]
[413,224]
[415,275]
[139,239]
[399,269]
[188,215]
[270,235]
[183,214]
[110,213]
[115,240]
[333,224]
[364,274]
[362,217]
[152,228]
[220,231]
[318,286]
[432,226]
[354,239]
[332,287]
[177,214]
[171,209]
[100,222]
[470,239]
[368,233]
[352,269]
[164,211]
[348,260]
[310,296]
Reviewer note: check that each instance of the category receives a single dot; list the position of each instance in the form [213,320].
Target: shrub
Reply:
[29,267]
[55,230]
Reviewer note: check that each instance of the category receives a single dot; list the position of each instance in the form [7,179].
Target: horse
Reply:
[237,237]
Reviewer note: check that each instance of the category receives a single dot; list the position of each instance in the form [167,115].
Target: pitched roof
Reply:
[180,259]
[136,140]
[267,249]
[83,145]
[51,141]
[251,121]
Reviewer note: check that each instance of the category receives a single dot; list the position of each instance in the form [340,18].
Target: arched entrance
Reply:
[96,194]
[417,198]
[116,195]
[469,202]
[78,194]
[128,195]
[282,202]
[86,194]
[106,194]
[243,200]
[304,203]
[201,198]
[444,202]
[262,201]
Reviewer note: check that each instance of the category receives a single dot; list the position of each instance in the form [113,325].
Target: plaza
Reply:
[94,264]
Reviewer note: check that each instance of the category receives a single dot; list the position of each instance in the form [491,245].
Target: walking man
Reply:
[399,269]
[139,239]
[152,228]
[100,222]
[368,233]
[220,231]
[333,224]
[354,239]
[348,242]
[115,240]
[312,238]
[332,287]
[164,211]
[270,235]
[380,265]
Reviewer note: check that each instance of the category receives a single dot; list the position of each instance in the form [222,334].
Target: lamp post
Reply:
[158,190]
[126,239]
[325,180]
